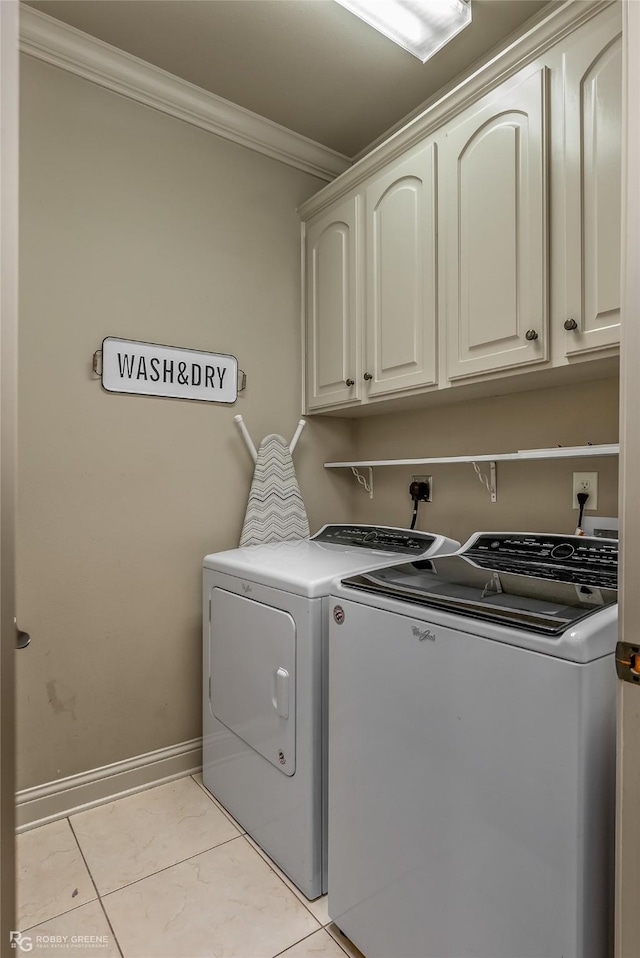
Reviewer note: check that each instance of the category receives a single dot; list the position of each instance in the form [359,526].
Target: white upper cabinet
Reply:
[481,241]
[371,309]
[494,201]
[592,184]
[401,276]
[332,308]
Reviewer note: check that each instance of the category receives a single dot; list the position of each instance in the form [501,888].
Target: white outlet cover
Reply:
[592,479]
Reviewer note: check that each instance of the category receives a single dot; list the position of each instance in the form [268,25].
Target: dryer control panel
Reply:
[382,538]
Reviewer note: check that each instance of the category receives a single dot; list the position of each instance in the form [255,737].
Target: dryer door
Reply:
[253,675]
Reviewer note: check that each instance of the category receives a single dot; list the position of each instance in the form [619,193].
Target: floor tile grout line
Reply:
[85,862]
[111,928]
[86,865]
[99,896]
[67,911]
[310,935]
[296,891]
[271,864]
[261,851]
[303,903]
[60,915]
[298,942]
[241,834]
[216,802]
[320,927]
[172,865]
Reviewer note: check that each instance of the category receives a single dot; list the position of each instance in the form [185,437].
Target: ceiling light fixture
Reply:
[421,27]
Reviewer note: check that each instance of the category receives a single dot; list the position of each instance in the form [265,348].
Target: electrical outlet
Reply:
[429,481]
[585,482]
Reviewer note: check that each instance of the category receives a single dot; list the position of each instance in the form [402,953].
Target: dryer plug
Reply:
[582,498]
[419,492]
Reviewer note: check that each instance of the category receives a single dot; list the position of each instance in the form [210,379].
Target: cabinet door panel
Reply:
[488,191]
[494,190]
[593,117]
[332,304]
[401,303]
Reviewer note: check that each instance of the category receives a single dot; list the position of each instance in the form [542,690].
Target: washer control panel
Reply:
[579,559]
[384,538]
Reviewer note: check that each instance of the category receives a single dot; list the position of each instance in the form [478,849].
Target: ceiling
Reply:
[309,65]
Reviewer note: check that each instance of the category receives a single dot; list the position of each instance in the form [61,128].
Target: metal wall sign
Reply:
[170,371]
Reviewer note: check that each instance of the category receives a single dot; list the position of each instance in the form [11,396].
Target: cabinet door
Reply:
[495,197]
[592,167]
[401,270]
[332,323]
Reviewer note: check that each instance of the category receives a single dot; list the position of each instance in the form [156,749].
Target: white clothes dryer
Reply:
[265,618]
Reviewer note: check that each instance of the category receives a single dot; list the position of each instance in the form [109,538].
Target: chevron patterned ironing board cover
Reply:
[275,511]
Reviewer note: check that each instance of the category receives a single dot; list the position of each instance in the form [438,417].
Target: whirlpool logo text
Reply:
[423,635]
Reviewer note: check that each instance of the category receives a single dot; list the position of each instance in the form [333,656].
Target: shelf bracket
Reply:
[490,482]
[368,484]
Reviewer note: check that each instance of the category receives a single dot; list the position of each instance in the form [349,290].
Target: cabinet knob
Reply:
[570,324]
[367,377]
[349,382]
[530,335]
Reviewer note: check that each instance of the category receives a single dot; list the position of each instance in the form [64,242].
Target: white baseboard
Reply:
[54,800]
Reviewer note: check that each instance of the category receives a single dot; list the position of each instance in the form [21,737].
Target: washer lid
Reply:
[454,584]
[308,566]
[520,583]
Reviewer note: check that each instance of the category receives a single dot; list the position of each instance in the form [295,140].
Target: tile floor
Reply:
[164,872]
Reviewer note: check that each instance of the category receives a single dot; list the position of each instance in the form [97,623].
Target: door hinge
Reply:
[628,662]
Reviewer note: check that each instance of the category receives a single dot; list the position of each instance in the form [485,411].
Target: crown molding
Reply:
[519,53]
[63,46]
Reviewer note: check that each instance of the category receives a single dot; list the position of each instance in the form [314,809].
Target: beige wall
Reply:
[137,225]
[531,495]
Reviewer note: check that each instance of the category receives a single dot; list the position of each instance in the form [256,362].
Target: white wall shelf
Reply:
[553,452]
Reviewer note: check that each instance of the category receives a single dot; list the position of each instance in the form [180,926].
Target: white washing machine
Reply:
[265,665]
[472,752]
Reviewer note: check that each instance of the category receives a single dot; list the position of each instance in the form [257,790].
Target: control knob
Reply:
[563,551]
